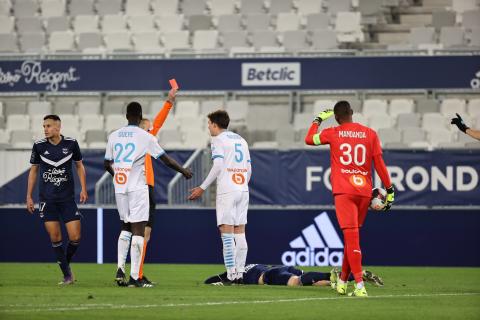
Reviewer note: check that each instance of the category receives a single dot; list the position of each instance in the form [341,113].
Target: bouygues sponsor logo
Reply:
[271,74]
[33,72]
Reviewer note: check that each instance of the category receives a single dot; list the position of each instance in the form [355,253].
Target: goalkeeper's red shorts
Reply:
[351,210]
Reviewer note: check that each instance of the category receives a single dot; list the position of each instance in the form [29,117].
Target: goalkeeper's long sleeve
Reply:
[313,138]
[213,174]
[382,171]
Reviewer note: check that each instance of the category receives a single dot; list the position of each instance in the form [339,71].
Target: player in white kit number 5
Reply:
[232,170]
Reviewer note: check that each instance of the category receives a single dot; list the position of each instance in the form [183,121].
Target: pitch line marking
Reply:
[107,306]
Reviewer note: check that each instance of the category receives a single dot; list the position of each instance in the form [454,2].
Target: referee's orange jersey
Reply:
[157,124]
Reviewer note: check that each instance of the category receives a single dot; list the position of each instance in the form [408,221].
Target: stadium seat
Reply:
[265,145]
[147,42]
[264,39]
[15,107]
[389,135]
[208,106]
[374,107]
[229,22]
[113,23]
[407,120]
[95,136]
[320,105]
[309,6]
[52,8]
[170,23]
[137,7]
[61,41]
[85,23]
[25,8]
[257,22]
[359,118]
[317,21]
[427,105]
[395,145]
[15,121]
[257,114]
[193,7]
[436,136]
[64,107]
[400,106]
[7,24]
[53,24]
[450,145]
[324,40]
[370,7]
[380,121]
[118,42]
[5,7]
[285,136]
[196,139]
[186,108]
[176,40]
[410,135]
[251,6]
[420,145]
[241,50]
[205,39]
[347,26]
[164,7]
[39,107]
[69,122]
[29,25]
[280,6]
[463,5]
[167,136]
[4,137]
[222,7]
[105,7]
[237,110]
[199,22]
[452,37]
[89,40]
[471,18]
[421,35]
[114,121]
[80,7]
[442,19]
[288,22]
[113,107]
[294,40]
[234,39]
[36,124]
[139,24]
[336,6]
[449,107]
[91,122]
[21,139]
[474,108]
[432,121]
[8,42]
[302,121]
[474,37]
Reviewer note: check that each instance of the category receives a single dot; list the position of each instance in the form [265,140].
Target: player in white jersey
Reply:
[125,161]
[232,170]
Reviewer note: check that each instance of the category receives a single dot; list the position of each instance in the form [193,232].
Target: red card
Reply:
[173,83]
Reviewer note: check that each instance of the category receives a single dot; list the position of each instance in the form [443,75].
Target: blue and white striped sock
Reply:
[228,241]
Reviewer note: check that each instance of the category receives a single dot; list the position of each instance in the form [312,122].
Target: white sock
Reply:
[229,255]
[123,246]
[136,251]
[241,249]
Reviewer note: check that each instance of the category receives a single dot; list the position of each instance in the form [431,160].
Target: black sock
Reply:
[71,249]
[309,278]
[351,277]
[61,259]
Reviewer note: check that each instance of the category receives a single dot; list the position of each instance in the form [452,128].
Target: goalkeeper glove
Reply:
[458,121]
[324,115]
[390,198]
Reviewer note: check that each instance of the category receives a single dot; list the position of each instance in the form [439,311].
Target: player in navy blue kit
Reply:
[53,157]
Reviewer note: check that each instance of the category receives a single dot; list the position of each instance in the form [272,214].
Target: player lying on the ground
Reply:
[260,274]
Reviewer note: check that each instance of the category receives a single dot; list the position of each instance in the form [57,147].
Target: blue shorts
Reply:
[279,276]
[55,211]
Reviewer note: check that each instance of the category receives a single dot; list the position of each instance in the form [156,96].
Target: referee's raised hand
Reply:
[172,94]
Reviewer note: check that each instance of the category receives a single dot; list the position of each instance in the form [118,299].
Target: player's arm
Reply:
[82,176]
[473,133]
[382,172]
[313,136]
[197,192]
[172,164]
[458,121]
[32,179]
[163,114]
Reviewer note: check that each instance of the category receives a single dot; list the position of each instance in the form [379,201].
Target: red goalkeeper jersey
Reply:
[352,149]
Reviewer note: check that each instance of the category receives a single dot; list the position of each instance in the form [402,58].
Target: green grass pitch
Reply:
[30,291]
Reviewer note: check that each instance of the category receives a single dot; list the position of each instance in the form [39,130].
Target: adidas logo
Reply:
[46,152]
[317,240]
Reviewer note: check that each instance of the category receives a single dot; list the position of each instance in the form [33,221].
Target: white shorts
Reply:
[133,206]
[232,208]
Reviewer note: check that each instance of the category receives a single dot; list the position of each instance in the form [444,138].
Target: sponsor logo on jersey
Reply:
[318,245]
[271,74]
[55,176]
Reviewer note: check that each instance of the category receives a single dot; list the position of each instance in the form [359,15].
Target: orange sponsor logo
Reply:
[357,180]
[120,178]
[238,178]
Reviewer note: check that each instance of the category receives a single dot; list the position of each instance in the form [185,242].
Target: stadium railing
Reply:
[104,191]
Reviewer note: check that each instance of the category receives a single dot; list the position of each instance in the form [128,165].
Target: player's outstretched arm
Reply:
[473,133]
[32,179]
[172,164]
[82,176]
[163,113]
[313,137]
[458,121]
[107,164]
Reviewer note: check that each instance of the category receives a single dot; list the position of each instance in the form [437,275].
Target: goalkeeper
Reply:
[458,121]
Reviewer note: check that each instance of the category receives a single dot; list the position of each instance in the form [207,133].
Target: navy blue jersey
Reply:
[253,273]
[55,162]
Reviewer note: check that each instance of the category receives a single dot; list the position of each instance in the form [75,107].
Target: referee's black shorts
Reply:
[151,213]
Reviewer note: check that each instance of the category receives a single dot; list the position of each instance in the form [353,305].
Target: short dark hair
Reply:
[342,109]
[134,110]
[220,118]
[52,117]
